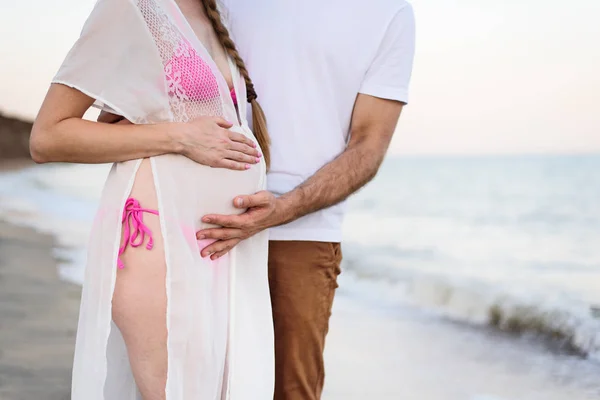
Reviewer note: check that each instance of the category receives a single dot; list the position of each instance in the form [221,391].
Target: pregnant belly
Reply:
[198,190]
[185,191]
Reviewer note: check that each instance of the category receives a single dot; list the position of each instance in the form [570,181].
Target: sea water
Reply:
[511,242]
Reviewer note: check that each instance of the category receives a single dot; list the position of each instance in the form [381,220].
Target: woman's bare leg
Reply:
[139,300]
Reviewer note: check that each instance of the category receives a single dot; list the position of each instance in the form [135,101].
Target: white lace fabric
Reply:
[192,85]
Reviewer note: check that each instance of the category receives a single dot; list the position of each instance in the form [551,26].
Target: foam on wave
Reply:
[573,323]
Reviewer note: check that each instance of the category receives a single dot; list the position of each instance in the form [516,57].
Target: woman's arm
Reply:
[61,135]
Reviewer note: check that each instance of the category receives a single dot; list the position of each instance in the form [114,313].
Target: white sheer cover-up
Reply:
[220,331]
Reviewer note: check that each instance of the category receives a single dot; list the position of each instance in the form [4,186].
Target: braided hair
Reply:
[259,121]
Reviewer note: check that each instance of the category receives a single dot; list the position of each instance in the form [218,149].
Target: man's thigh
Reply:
[303,278]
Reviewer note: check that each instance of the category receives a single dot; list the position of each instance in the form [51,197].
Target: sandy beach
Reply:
[38,316]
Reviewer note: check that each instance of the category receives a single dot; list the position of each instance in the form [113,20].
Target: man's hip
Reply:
[302,278]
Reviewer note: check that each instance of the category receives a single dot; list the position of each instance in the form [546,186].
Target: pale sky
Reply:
[511,76]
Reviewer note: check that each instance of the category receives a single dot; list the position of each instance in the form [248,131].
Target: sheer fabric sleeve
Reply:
[116,62]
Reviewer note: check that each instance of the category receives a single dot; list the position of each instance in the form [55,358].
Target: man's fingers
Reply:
[219,233]
[222,122]
[255,200]
[108,118]
[221,253]
[226,221]
[238,137]
[219,248]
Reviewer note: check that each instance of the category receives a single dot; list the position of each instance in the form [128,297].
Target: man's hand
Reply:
[108,118]
[263,211]
[373,124]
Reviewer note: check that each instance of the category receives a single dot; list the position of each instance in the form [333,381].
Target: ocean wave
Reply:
[61,200]
[572,323]
[81,181]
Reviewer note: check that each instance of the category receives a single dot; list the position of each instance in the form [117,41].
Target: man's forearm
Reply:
[373,124]
[372,127]
[334,182]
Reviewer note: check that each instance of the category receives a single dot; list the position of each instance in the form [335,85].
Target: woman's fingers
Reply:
[245,149]
[230,164]
[222,122]
[241,157]
[238,137]
[218,147]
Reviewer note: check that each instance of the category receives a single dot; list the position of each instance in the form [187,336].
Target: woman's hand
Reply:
[207,141]
[60,134]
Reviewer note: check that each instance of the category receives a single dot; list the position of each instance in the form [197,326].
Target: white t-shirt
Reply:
[308,60]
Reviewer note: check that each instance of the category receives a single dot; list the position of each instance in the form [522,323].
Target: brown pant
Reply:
[303,279]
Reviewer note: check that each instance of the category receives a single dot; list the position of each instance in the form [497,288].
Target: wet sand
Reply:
[38,316]
[15,164]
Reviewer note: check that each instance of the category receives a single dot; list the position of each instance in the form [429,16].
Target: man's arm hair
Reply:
[373,124]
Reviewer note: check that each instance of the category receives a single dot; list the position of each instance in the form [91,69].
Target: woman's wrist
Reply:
[171,138]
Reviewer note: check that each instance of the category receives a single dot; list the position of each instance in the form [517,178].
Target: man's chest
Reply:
[334,32]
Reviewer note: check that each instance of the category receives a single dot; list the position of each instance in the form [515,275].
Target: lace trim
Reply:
[188,79]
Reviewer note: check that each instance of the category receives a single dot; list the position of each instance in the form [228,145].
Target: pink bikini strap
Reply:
[233,96]
[136,234]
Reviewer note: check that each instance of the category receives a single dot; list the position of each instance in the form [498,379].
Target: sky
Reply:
[490,77]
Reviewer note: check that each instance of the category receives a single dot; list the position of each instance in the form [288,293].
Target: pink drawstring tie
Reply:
[133,214]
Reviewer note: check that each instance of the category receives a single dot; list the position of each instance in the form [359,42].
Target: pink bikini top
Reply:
[191,74]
